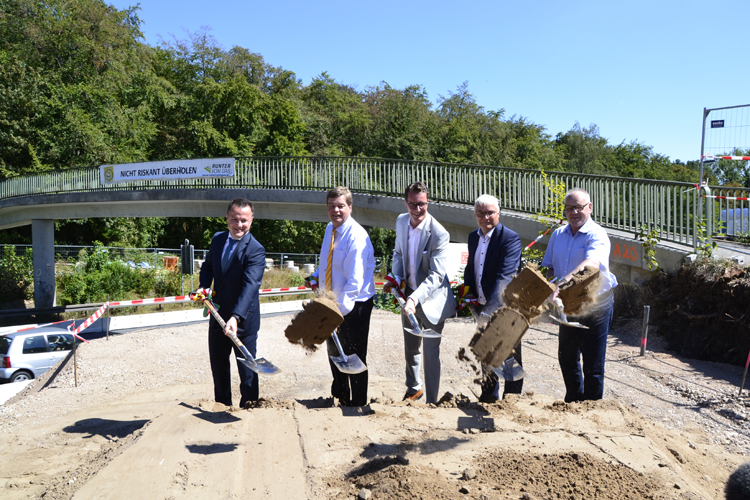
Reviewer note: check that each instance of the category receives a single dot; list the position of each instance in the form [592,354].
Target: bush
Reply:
[16,275]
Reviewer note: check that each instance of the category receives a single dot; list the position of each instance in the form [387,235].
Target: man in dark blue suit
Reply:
[235,265]
[494,257]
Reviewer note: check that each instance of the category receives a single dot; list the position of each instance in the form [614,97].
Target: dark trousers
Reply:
[591,346]
[219,349]
[490,380]
[351,390]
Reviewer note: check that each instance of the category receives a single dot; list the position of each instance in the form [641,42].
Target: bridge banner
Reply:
[167,170]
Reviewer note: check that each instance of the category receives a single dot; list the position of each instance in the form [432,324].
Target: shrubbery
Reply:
[97,277]
[16,275]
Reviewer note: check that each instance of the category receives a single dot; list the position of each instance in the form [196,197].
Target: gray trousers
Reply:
[413,347]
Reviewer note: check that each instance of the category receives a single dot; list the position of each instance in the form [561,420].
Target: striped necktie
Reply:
[329,270]
[227,254]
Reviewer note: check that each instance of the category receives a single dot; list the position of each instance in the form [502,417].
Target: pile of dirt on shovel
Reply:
[703,311]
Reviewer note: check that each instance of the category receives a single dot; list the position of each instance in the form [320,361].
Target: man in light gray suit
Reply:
[419,260]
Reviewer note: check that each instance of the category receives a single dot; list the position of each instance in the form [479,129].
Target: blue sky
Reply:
[640,70]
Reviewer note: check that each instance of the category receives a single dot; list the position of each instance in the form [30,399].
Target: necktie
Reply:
[329,271]
[227,253]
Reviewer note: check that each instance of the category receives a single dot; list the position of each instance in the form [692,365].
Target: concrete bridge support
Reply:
[43,240]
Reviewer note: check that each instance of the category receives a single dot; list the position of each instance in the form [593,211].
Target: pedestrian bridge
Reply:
[293,188]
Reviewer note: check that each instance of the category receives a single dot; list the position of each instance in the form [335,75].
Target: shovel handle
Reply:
[338,346]
[412,318]
[223,325]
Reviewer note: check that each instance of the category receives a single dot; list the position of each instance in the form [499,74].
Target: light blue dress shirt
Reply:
[566,251]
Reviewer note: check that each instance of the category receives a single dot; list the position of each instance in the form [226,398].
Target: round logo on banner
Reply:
[109,173]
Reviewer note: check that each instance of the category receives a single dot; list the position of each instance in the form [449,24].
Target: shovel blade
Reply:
[574,324]
[266,367]
[510,370]
[428,334]
[252,365]
[259,365]
[349,364]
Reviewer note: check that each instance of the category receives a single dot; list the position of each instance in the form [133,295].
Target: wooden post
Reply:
[107,316]
[75,359]
[644,332]
[744,375]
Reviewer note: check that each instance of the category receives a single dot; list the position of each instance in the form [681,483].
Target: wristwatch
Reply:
[237,317]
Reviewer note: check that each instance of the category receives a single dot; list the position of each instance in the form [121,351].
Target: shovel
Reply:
[347,364]
[259,365]
[563,319]
[510,370]
[414,330]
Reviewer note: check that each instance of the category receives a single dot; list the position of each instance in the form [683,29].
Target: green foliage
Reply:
[79,87]
[532,256]
[649,238]
[289,236]
[553,211]
[99,277]
[16,275]
[584,150]
[706,246]
[730,172]
[383,242]
[386,302]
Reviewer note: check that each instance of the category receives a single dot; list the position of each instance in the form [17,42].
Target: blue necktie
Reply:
[227,253]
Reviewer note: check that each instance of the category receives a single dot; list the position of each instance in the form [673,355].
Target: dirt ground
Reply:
[141,424]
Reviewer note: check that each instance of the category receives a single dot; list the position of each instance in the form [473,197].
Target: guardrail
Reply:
[672,208]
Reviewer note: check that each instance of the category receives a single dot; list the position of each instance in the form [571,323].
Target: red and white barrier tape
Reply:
[157,300]
[740,158]
[91,319]
[144,302]
[32,327]
[542,236]
[285,289]
[725,197]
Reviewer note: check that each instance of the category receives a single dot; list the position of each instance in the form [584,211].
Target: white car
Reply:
[28,354]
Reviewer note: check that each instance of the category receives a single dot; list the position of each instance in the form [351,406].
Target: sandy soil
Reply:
[141,424]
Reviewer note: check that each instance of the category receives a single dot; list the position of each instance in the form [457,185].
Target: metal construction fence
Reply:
[671,208]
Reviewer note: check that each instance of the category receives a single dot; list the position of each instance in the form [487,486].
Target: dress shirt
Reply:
[415,234]
[479,256]
[353,264]
[566,251]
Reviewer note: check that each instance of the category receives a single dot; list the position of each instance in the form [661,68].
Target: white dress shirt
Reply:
[415,234]
[353,264]
[481,252]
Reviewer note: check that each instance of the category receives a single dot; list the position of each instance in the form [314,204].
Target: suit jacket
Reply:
[502,261]
[237,288]
[433,291]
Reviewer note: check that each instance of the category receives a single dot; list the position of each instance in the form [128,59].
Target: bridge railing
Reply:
[619,203]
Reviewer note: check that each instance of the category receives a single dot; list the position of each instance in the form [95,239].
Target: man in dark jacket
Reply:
[235,265]
[494,256]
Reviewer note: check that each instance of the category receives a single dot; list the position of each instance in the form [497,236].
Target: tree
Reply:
[583,150]
[469,134]
[335,117]
[402,123]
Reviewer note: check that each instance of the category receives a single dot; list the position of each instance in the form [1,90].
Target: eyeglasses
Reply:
[482,215]
[415,206]
[575,208]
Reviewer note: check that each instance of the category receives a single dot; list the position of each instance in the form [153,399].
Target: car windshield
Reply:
[5,344]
